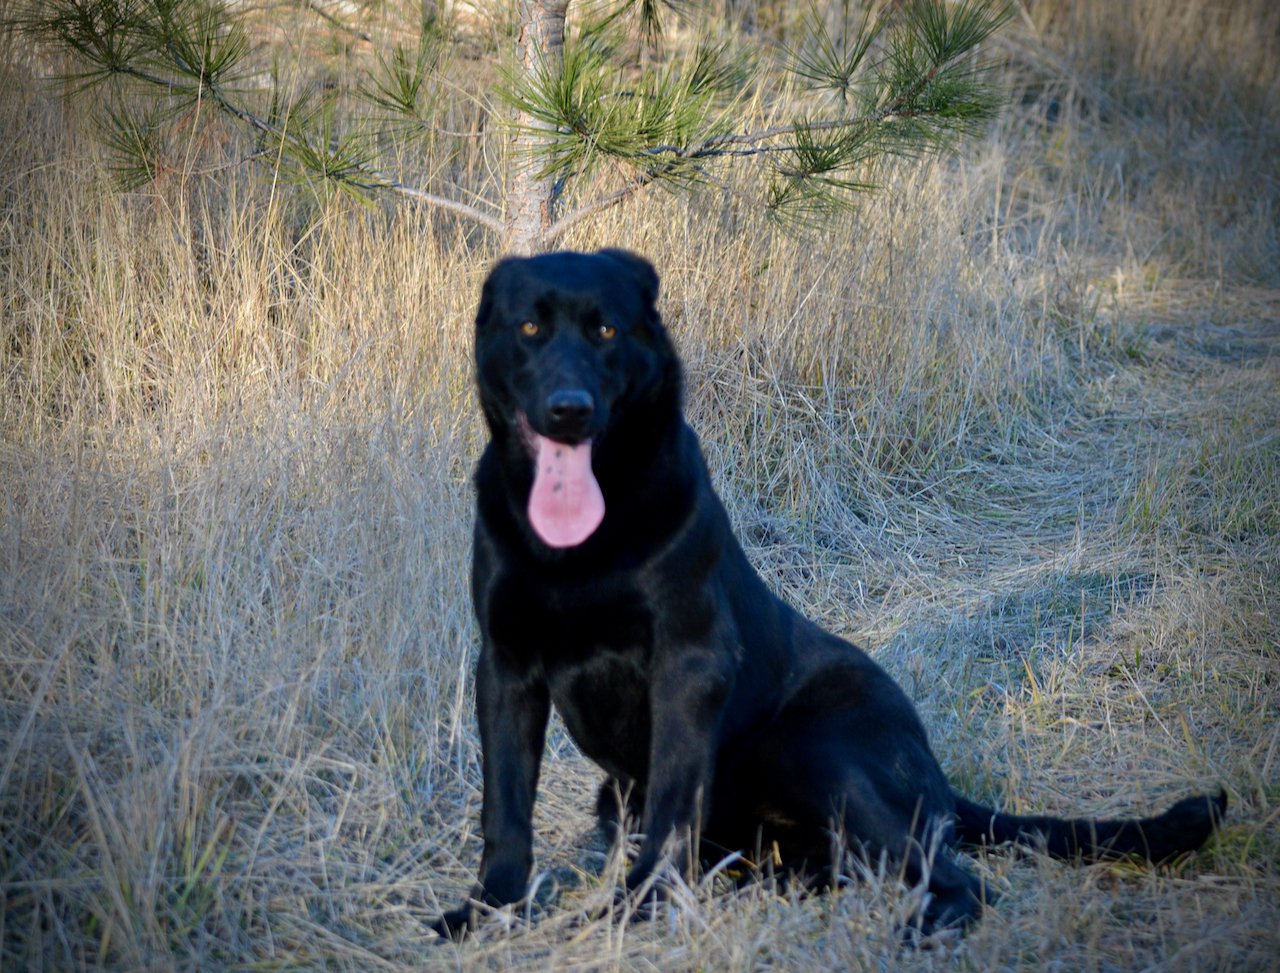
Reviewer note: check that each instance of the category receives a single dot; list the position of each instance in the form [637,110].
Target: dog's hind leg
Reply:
[830,794]
[920,846]
[955,895]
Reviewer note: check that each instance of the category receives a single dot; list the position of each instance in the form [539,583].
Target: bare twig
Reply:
[318,8]
[486,220]
[562,225]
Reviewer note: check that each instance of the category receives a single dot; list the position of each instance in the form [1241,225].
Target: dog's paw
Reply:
[455,924]
[914,937]
[651,901]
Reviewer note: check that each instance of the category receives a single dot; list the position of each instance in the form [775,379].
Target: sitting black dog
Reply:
[606,580]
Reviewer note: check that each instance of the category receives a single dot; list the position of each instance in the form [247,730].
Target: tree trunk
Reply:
[531,199]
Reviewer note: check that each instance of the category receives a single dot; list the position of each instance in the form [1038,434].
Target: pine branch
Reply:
[919,95]
[190,58]
[906,84]
[366,177]
[713,145]
[947,41]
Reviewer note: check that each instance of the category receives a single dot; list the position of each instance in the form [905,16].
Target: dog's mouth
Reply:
[565,503]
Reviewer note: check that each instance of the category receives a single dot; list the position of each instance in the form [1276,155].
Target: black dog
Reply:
[607,581]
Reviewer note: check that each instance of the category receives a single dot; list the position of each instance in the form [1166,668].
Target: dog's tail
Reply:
[1183,828]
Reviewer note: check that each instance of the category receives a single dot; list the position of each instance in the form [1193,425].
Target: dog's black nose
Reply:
[569,410]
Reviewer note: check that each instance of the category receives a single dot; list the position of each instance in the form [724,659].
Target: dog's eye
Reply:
[607,331]
[529,329]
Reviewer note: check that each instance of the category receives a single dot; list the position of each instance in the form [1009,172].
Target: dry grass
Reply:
[1013,425]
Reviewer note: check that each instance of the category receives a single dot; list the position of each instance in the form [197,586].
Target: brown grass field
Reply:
[1013,424]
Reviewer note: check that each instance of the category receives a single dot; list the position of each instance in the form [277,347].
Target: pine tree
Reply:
[597,106]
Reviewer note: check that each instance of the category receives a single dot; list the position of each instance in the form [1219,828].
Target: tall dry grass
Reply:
[1013,425]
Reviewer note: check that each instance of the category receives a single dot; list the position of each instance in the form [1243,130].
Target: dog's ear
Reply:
[639,268]
[489,289]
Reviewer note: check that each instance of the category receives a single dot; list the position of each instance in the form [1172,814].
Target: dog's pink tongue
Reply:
[565,505]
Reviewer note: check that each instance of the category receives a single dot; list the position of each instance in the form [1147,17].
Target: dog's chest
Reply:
[566,624]
[593,642]
[604,702]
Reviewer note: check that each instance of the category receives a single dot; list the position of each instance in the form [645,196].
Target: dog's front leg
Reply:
[688,690]
[512,706]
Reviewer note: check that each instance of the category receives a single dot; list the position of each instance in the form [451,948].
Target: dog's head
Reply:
[568,345]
